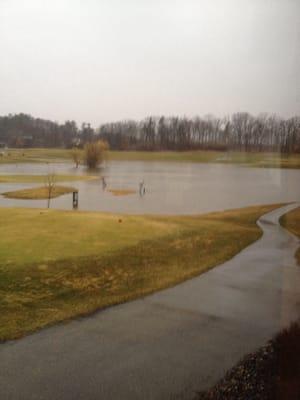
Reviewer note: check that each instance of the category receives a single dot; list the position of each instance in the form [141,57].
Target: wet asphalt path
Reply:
[167,345]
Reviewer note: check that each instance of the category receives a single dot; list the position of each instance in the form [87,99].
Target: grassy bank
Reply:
[55,265]
[291,221]
[266,160]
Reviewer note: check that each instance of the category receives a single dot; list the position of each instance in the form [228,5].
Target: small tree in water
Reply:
[50,185]
[94,153]
[75,154]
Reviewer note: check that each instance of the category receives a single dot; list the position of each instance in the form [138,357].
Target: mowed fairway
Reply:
[55,265]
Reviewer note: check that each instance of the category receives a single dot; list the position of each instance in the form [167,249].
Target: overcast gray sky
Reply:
[102,60]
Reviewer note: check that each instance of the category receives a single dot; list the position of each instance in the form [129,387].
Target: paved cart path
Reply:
[167,345]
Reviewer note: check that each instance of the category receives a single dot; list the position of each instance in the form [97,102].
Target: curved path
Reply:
[169,344]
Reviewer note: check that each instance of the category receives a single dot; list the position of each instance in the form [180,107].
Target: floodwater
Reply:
[171,188]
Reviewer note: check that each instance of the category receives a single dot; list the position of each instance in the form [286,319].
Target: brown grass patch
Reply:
[39,193]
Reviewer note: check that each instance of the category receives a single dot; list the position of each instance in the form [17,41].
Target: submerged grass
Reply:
[121,192]
[56,265]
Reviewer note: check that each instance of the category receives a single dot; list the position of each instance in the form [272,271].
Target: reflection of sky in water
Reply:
[171,188]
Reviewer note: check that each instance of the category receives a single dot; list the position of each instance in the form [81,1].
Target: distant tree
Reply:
[87,132]
[240,131]
[50,185]
[69,131]
[162,133]
[94,153]
[76,156]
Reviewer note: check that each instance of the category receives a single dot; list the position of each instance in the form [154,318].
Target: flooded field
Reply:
[170,188]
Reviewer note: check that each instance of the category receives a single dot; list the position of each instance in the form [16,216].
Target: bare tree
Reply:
[241,131]
[76,156]
[49,185]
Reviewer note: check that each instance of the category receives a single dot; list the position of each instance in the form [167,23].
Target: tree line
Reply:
[240,131]
[22,130]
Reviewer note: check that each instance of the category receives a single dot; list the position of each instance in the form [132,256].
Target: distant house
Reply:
[3,146]
[27,140]
[76,142]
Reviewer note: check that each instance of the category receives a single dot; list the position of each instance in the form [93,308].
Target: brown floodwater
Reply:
[170,187]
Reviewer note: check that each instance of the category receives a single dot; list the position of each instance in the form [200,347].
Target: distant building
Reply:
[76,142]
[27,140]
[3,145]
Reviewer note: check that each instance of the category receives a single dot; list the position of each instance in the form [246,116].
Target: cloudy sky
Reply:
[102,60]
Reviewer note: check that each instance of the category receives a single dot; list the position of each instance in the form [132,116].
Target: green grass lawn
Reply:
[56,265]
[266,160]
[291,221]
